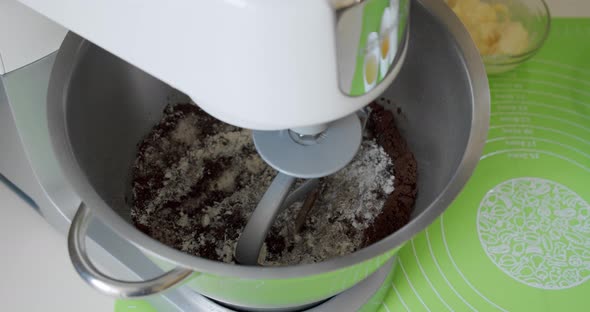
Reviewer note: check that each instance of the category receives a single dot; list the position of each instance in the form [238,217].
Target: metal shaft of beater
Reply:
[311,153]
[252,238]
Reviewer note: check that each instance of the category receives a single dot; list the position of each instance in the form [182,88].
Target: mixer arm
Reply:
[278,58]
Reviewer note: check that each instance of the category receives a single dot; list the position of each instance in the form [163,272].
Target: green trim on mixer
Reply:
[371,305]
[371,23]
[281,292]
[373,13]
[124,305]
[376,301]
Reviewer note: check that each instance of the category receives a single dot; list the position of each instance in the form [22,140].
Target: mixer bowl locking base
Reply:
[367,295]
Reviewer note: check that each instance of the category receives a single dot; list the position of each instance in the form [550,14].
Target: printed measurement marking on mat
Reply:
[560,65]
[531,130]
[528,94]
[535,118]
[513,129]
[527,105]
[542,84]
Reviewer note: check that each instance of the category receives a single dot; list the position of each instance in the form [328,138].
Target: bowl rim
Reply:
[67,59]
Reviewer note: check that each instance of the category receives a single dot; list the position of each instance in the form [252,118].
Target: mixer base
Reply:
[367,296]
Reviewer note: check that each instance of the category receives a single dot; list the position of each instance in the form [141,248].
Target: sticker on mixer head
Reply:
[379,42]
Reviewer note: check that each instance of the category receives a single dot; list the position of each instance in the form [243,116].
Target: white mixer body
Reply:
[259,64]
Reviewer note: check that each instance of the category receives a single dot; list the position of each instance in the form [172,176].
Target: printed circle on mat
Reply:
[537,231]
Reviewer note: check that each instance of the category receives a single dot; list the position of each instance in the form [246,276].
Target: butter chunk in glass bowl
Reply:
[506,32]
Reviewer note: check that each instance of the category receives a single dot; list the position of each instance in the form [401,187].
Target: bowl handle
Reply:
[105,284]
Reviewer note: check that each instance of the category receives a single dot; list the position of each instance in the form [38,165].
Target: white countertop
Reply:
[35,270]
[36,274]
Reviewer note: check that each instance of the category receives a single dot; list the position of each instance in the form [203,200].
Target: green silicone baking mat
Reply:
[518,237]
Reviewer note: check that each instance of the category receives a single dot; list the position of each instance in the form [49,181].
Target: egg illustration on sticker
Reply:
[371,62]
[387,41]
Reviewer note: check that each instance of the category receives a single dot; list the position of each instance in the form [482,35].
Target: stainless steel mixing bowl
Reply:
[100,107]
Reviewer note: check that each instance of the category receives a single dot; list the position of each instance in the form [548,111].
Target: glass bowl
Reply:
[532,15]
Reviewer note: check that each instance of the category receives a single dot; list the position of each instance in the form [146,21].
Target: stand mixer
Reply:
[298,72]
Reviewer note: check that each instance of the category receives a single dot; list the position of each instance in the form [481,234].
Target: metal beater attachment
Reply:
[311,155]
[296,155]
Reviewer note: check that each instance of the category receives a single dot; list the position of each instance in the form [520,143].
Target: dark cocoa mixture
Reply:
[399,204]
[196,195]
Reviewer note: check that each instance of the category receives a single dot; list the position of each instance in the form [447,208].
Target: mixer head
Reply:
[298,70]
[256,64]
